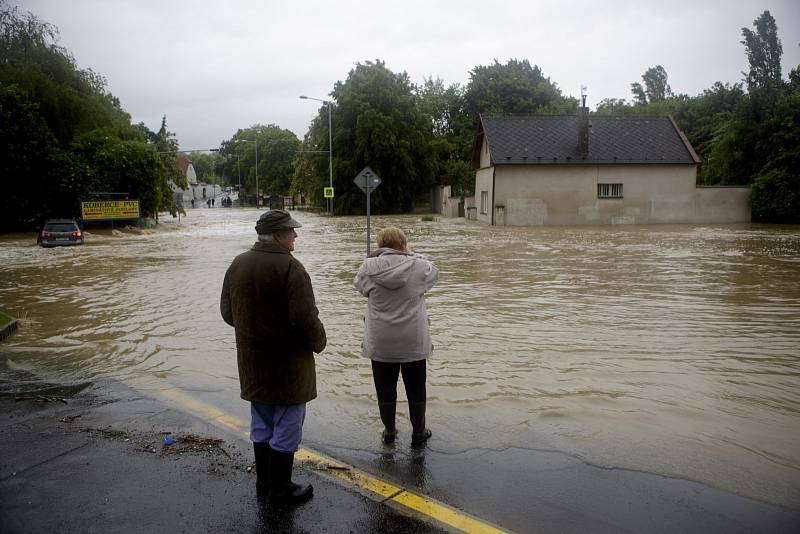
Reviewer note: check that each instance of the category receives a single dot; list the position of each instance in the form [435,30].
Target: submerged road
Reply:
[585,379]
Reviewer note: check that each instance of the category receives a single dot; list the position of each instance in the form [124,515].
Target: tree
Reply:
[443,105]
[123,166]
[444,108]
[376,122]
[277,148]
[776,196]
[207,167]
[49,109]
[612,106]
[764,50]
[516,87]
[172,175]
[656,88]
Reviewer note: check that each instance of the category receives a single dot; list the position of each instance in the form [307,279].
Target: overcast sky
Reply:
[215,67]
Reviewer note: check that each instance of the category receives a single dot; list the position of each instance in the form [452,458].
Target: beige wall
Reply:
[483,183]
[722,204]
[554,195]
[568,194]
[485,159]
[444,202]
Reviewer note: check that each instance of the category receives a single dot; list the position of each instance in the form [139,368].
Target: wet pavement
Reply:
[96,463]
[90,458]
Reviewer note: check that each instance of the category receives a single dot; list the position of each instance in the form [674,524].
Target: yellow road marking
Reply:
[390,492]
[454,518]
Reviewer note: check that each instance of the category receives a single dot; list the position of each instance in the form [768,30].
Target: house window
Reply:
[609,190]
[484,202]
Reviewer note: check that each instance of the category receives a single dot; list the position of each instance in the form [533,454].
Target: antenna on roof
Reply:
[583,95]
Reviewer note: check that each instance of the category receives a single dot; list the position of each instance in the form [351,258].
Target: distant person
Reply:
[267,297]
[212,201]
[192,202]
[397,334]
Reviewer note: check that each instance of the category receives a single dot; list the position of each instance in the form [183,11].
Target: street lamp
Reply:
[254,141]
[239,169]
[330,144]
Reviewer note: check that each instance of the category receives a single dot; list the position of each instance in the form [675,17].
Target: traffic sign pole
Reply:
[369,191]
[367,180]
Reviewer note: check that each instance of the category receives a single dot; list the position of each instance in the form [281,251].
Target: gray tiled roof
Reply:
[553,139]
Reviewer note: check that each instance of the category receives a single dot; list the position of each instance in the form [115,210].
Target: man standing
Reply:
[267,297]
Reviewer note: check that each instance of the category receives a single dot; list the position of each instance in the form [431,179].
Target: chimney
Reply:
[583,128]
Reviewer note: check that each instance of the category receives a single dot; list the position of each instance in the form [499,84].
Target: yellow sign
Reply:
[97,210]
[328,192]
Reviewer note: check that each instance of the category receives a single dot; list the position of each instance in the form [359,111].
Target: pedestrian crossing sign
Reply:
[328,192]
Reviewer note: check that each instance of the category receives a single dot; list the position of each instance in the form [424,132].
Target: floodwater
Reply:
[667,349]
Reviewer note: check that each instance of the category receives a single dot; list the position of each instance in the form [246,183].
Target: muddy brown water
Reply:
[667,349]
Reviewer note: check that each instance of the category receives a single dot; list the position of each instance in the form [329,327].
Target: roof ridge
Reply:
[559,115]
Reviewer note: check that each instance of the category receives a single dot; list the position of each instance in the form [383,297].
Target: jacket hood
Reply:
[389,268]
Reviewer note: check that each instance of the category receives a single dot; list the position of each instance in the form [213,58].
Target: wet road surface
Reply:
[662,350]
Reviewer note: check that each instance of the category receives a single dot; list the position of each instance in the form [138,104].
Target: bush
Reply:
[776,196]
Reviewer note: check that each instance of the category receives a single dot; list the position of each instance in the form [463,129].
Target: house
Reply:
[593,169]
[198,192]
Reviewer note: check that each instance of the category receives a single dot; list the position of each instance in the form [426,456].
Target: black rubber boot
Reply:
[282,490]
[388,411]
[261,452]
[416,412]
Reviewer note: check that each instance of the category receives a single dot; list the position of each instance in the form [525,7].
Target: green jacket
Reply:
[267,297]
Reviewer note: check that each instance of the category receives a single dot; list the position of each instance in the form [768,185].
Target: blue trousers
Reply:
[280,425]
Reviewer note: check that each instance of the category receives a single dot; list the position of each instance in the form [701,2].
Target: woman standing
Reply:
[397,334]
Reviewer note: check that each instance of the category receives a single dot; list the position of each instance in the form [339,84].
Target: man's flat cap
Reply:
[275,220]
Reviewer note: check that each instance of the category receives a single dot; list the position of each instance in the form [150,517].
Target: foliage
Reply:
[376,122]
[760,143]
[452,134]
[656,88]
[207,167]
[763,50]
[776,196]
[57,126]
[516,87]
[276,148]
[612,106]
[124,166]
[171,175]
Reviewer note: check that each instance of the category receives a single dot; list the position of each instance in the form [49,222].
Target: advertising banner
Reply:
[106,210]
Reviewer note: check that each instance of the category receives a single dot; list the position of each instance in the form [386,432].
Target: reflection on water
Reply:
[669,349]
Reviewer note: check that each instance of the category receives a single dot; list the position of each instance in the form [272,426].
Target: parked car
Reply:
[60,232]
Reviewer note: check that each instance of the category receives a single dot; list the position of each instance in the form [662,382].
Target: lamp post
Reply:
[330,145]
[254,141]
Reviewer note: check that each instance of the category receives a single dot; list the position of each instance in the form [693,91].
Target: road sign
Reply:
[328,192]
[367,180]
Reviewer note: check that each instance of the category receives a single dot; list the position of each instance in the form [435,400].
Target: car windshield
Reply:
[60,227]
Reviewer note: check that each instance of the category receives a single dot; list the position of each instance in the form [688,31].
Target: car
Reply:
[59,233]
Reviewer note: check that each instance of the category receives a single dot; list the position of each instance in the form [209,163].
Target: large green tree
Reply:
[57,123]
[514,87]
[376,122]
[277,148]
[763,50]
[655,89]
[444,109]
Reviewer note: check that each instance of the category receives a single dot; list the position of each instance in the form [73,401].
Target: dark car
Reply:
[60,232]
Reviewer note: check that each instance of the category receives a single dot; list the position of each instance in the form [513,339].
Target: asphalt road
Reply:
[95,462]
